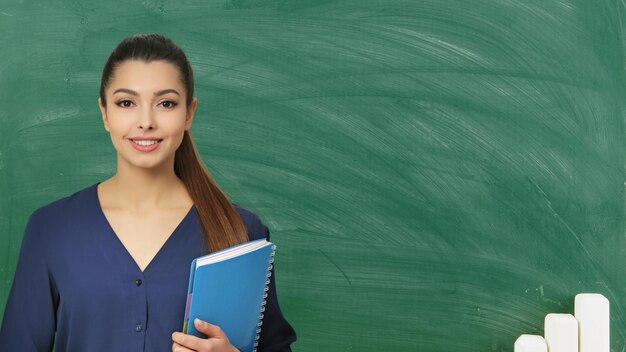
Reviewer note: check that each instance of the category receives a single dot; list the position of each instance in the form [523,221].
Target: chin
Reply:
[148,166]
[152,164]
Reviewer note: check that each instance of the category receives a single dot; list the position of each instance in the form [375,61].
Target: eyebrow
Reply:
[158,93]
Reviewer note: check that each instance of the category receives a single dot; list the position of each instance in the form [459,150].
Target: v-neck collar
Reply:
[116,242]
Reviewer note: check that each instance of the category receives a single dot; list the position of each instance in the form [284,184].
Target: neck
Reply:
[140,189]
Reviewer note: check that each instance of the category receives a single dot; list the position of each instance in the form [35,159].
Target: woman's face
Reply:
[146,113]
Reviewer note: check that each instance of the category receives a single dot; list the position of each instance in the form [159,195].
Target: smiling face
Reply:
[146,113]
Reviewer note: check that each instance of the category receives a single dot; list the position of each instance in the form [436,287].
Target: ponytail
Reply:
[221,223]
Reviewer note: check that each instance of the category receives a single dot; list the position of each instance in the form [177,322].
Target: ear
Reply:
[103,111]
[190,113]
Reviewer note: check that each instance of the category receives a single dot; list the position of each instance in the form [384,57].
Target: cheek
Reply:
[118,131]
[117,140]
[175,127]
[178,138]
[120,124]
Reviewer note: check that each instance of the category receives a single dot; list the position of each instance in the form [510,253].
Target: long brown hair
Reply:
[220,221]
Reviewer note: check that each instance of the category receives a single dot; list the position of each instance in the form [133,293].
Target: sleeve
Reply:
[276,333]
[29,317]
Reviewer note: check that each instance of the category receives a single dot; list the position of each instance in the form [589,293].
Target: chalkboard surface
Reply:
[438,175]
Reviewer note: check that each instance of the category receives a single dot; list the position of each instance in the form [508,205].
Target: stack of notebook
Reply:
[228,288]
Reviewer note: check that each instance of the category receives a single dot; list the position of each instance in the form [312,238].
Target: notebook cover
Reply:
[230,294]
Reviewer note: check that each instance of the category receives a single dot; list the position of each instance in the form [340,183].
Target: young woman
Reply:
[107,268]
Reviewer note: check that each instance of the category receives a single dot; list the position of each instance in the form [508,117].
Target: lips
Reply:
[145,144]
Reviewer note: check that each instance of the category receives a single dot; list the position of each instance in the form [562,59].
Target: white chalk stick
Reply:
[592,312]
[561,332]
[531,343]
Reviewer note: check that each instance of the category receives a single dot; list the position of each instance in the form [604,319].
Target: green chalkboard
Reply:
[438,175]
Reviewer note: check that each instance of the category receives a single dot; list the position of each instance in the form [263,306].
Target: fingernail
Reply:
[199,322]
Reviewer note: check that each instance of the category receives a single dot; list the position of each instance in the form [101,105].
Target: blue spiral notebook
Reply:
[228,288]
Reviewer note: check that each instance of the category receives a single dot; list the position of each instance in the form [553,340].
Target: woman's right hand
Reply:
[217,340]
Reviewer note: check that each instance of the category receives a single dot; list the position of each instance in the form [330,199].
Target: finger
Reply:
[210,330]
[178,348]
[191,342]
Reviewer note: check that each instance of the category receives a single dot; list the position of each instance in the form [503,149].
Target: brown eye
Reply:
[124,103]
[168,104]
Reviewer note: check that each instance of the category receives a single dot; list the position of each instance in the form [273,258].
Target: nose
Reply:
[146,119]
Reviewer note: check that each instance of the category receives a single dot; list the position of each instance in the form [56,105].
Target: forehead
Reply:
[140,75]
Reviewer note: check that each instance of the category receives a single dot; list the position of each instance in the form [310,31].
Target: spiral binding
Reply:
[267,287]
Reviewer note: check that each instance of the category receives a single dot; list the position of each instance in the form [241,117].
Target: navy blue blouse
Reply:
[75,277]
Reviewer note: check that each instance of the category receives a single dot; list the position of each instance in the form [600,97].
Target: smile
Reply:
[145,145]
[146,142]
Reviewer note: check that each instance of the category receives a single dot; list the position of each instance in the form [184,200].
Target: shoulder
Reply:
[254,225]
[60,211]
[52,225]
